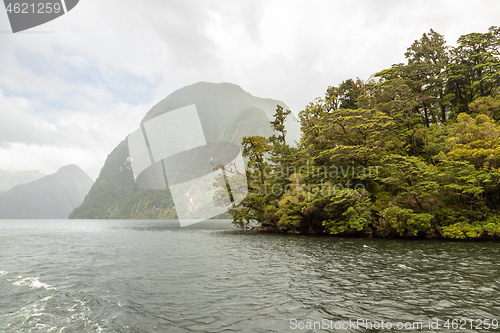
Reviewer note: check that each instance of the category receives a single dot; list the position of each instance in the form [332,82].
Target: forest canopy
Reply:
[414,152]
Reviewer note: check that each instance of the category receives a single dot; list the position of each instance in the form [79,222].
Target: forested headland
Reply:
[415,152]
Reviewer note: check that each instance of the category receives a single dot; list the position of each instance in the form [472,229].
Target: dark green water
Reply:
[153,276]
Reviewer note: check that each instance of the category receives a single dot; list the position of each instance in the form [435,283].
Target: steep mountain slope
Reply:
[53,196]
[227,113]
[116,196]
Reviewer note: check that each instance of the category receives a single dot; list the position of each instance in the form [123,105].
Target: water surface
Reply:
[153,276]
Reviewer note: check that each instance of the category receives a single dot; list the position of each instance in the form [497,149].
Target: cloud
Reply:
[49,158]
[64,136]
[71,94]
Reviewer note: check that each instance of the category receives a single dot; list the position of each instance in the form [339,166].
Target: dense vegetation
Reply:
[413,153]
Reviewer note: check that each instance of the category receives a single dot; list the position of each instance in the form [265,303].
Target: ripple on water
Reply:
[141,277]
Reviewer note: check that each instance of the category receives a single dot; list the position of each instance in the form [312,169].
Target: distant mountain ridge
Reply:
[10,179]
[227,113]
[50,197]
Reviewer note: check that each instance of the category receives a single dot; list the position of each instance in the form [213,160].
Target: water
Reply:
[153,276]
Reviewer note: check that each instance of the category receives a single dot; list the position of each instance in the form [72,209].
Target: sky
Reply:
[73,88]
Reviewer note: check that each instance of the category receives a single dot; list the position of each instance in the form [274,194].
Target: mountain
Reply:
[227,113]
[252,121]
[8,180]
[218,105]
[54,196]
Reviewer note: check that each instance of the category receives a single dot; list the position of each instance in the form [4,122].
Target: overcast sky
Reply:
[72,89]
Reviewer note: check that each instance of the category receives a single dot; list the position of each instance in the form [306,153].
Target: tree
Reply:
[253,207]
[474,70]
[427,62]
[348,93]
[353,136]
[394,96]
[487,105]
[412,182]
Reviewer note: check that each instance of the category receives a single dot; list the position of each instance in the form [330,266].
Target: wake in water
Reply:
[32,282]
[34,305]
